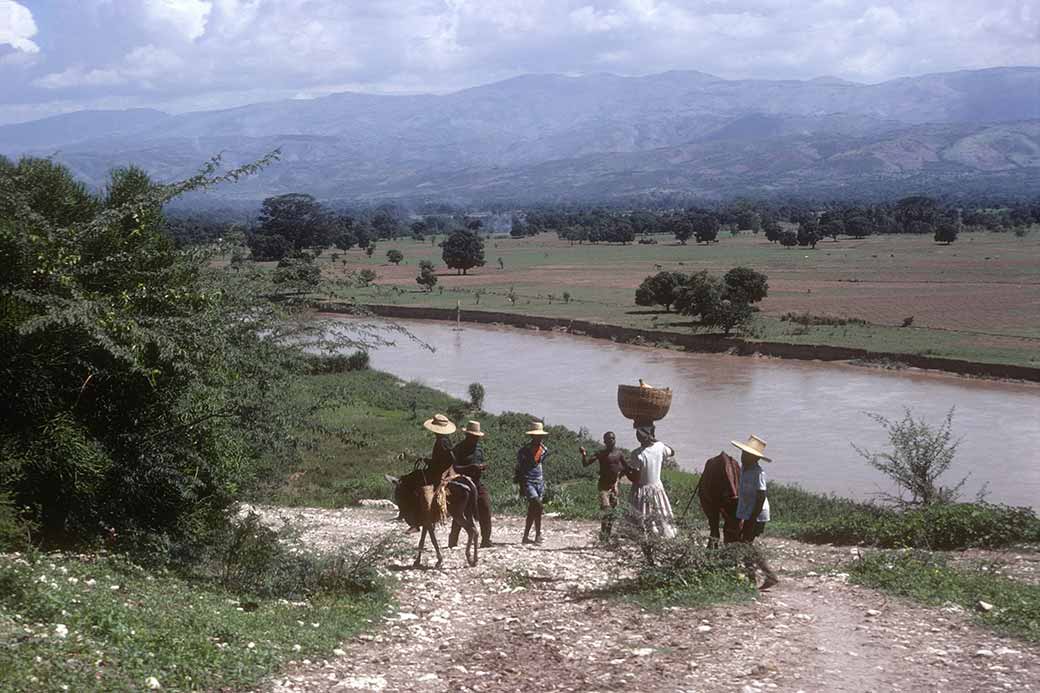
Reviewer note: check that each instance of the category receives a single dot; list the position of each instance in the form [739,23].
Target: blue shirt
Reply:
[527,469]
[752,480]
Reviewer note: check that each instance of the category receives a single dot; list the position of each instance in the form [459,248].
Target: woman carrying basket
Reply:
[650,507]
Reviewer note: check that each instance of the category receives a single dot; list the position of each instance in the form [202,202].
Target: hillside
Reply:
[601,135]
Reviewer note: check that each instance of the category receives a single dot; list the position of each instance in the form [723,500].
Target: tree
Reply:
[395,256]
[463,250]
[427,278]
[681,227]
[267,247]
[705,227]
[698,294]
[344,239]
[859,226]
[808,233]
[917,214]
[660,289]
[788,239]
[517,229]
[146,403]
[745,285]
[946,230]
[773,231]
[419,229]
[298,218]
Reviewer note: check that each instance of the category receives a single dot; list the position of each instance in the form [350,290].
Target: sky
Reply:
[183,55]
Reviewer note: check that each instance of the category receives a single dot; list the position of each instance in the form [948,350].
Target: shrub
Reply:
[920,454]
[476,395]
[948,526]
[808,319]
[319,364]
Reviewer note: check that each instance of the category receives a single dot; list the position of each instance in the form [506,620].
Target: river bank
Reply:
[698,343]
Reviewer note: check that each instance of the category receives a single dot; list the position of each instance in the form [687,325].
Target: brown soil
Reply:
[518,622]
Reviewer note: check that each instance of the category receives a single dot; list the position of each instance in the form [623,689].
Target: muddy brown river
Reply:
[808,412]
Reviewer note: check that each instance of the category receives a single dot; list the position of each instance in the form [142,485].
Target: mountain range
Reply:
[600,136]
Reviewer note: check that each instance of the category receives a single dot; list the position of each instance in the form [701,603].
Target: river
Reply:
[808,412]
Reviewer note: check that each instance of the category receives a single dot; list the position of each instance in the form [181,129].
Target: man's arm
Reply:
[585,459]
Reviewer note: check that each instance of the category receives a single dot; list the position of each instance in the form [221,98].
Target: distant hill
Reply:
[601,135]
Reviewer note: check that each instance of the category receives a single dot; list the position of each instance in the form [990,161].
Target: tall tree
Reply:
[298,218]
[660,289]
[462,251]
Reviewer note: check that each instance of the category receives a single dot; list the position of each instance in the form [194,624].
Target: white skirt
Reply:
[651,509]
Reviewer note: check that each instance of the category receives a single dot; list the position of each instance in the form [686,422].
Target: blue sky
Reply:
[178,55]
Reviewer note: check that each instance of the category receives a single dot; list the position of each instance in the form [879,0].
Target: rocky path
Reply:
[514,623]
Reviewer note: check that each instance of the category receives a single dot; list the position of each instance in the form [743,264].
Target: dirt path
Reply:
[513,623]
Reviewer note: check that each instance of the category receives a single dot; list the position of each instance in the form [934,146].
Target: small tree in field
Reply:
[946,231]
[788,239]
[395,256]
[476,395]
[920,454]
[427,278]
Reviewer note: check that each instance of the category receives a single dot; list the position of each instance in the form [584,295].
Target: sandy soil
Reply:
[517,622]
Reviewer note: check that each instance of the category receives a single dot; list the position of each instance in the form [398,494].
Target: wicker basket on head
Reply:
[643,403]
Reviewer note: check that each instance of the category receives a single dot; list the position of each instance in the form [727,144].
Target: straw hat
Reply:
[439,424]
[473,429]
[537,429]
[755,445]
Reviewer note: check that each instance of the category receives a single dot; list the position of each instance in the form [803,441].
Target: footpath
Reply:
[518,621]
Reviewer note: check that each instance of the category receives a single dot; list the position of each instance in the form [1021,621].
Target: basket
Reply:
[641,403]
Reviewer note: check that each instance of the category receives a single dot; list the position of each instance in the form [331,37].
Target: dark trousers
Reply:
[754,559]
[483,517]
[730,524]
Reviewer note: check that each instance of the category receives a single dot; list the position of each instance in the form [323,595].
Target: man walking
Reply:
[530,459]
[469,461]
[611,466]
[753,506]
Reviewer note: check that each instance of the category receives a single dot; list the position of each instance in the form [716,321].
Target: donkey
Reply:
[420,508]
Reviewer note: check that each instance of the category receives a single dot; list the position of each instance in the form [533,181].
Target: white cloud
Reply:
[186,17]
[17,27]
[78,77]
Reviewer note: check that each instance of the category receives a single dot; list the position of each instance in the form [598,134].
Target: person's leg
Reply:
[529,520]
[761,563]
[484,515]
[730,524]
[538,521]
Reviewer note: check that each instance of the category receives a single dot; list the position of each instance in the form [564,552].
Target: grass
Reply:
[81,622]
[927,578]
[973,300]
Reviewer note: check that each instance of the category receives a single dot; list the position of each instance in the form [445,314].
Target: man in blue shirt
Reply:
[753,506]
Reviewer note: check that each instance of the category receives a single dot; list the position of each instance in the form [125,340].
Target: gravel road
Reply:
[516,622]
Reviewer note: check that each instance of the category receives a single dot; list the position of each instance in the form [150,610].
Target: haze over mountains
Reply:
[551,137]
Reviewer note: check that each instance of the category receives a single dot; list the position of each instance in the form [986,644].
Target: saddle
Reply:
[428,495]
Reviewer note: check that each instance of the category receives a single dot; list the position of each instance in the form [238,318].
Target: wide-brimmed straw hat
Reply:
[473,429]
[537,429]
[439,424]
[754,445]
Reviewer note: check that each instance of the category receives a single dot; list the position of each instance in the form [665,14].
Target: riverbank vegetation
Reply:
[145,391]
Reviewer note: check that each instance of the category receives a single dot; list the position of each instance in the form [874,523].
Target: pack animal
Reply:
[425,502]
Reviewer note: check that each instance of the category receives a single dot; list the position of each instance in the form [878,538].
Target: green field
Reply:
[977,299]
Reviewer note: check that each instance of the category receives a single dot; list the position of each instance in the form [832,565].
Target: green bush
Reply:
[320,364]
[940,527]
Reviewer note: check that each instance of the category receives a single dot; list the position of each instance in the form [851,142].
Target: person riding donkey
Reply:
[469,462]
[612,465]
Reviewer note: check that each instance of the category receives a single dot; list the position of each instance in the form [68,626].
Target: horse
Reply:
[424,505]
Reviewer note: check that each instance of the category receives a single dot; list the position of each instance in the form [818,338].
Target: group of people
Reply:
[734,495]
